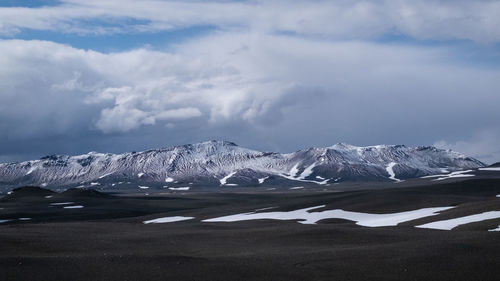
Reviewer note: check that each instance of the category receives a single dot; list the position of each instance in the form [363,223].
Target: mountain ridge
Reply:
[223,163]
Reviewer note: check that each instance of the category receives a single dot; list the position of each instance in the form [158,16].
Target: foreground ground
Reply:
[106,238]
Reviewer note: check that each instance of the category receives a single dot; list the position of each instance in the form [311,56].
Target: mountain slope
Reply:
[220,163]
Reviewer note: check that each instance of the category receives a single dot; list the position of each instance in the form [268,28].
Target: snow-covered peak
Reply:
[210,163]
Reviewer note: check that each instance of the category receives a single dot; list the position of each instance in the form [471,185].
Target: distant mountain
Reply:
[220,163]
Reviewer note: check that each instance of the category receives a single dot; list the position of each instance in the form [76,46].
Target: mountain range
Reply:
[224,164]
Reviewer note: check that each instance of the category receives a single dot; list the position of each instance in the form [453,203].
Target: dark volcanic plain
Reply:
[106,239]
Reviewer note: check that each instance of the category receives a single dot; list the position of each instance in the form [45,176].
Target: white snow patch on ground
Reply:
[297,187]
[272,188]
[224,179]
[43,184]
[495,229]
[457,174]
[320,178]
[168,219]
[231,184]
[2,221]
[180,188]
[143,187]
[267,208]
[169,179]
[498,195]
[490,169]
[49,196]
[24,219]
[94,183]
[73,207]
[61,203]
[262,180]
[139,175]
[364,219]
[452,223]
[390,171]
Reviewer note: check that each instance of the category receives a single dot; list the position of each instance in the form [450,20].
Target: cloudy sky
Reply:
[124,75]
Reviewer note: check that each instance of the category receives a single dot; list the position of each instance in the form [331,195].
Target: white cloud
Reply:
[422,19]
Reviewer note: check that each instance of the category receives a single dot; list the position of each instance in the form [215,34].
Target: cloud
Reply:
[264,91]
[358,20]
[119,92]
[483,146]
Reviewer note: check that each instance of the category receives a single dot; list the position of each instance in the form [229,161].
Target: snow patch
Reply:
[49,196]
[495,229]
[180,188]
[105,175]
[266,208]
[140,175]
[457,174]
[168,219]
[297,187]
[169,179]
[364,219]
[390,171]
[302,177]
[490,169]
[61,203]
[73,207]
[294,170]
[307,171]
[143,187]
[224,179]
[452,223]
[24,219]
[2,221]
[94,183]
[261,181]
[31,170]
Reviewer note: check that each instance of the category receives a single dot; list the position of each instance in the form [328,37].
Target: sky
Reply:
[121,75]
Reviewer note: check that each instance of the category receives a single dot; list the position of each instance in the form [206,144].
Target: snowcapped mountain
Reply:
[220,163]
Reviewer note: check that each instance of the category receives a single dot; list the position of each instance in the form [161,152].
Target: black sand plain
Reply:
[106,239]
